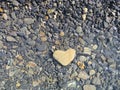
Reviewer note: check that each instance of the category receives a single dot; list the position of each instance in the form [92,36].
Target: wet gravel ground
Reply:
[31,30]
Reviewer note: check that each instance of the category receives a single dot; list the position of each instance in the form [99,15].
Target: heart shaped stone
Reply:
[64,57]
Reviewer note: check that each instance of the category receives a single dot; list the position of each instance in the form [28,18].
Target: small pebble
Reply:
[35,83]
[31,64]
[10,39]
[84,17]
[92,72]
[89,87]
[44,38]
[85,10]
[42,34]
[83,75]
[81,65]
[1,10]
[82,58]
[96,81]
[62,33]
[18,84]
[1,44]
[87,51]
[5,16]
[94,47]
[29,20]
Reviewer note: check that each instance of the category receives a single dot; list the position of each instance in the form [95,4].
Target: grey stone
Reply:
[15,2]
[79,30]
[23,29]
[71,84]
[13,15]
[1,44]
[68,85]
[96,81]
[29,20]
[89,87]
[41,47]
[31,42]
[10,39]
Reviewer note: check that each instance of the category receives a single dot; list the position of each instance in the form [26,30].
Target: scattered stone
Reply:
[71,84]
[57,42]
[87,51]
[42,34]
[92,72]
[19,57]
[84,17]
[31,64]
[5,16]
[10,39]
[74,74]
[96,80]
[18,84]
[64,57]
[35,83]
[89,62]
[13,15]
[81,65]
[79,30]
[94,47]
[50,11]
[93,56]
[62,33]
[1,44]
[1,10]
[41,47]
[15,2]
[29,20]
[44,38]
[83,75]
[82,41]
[85,10]
[103,58]
[113,65]
[82,58]
[89,87]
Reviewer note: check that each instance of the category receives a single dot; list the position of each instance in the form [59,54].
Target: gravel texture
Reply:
[32,30]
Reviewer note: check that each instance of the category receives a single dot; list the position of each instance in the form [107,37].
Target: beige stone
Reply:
[85,10]
[62,33]
[83,75]
[92,72]
[95,47]
[84,17]
[5,16]
[89,87]
[87,51]
[64,57]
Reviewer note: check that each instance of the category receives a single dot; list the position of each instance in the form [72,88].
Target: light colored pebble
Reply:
[82,58]
[10,39]
[85,10]
[95,47]
[89,87]
[83,75]
[92,72]
[84,17]
[87,51]
[5,16]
